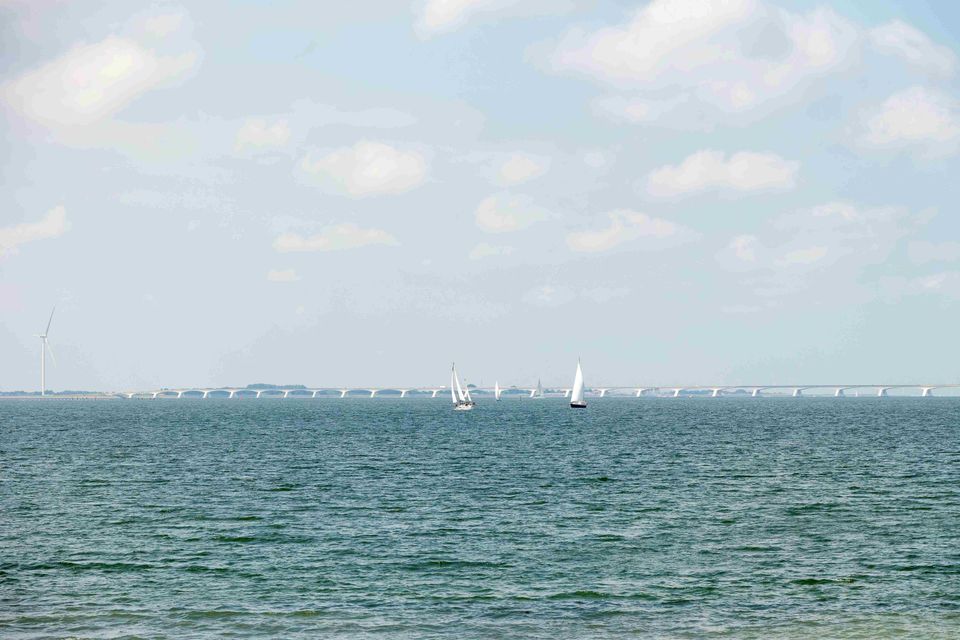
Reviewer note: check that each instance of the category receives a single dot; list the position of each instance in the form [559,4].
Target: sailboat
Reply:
[538,392]
[497,391]
[576,396]
[461,397]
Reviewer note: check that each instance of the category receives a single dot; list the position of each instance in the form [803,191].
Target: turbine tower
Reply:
[44,345]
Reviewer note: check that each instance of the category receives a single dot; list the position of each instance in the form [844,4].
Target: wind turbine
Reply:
[44,345]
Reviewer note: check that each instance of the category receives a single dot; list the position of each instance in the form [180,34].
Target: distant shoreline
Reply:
[62,397]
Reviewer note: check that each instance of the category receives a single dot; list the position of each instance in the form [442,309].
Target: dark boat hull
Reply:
[578,405]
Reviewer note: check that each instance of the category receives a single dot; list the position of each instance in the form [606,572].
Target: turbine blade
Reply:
[50,351]
[50,320]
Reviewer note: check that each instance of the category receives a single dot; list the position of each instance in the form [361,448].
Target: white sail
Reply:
[496,390]
[453,385]
[539,392]
[461,398]
[456,380]
[577,394]
[466,394]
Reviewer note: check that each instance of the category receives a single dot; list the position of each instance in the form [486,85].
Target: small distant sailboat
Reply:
[497,391]
[538,392]
[576,396]
[461,397]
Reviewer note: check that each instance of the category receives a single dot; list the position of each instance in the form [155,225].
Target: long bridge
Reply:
[670,391]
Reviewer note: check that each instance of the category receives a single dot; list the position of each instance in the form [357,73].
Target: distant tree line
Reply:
[259,386]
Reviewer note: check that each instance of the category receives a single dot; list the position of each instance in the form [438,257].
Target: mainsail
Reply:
[454,384]
[576,397]
[496,390]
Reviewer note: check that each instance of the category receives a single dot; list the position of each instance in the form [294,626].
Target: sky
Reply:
[676,191]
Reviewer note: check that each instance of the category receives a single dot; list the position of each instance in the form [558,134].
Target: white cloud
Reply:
[938,282]
[260,134]
[208,137]
[843,212]
[804,256]
[743,171]
[632,110]
[597,159]
[438,16]
[828,247]
[502,213]
[732,54]
[945,284]
[93,81]
[52,225]
[485,250]
[603,294]
[282,275]
[744,248]
[548,295]
[369,168]
[334,238]
[522,167]
[641,49]
[443,15]
[551,295]
[914,46]
[923,252]
[163,25]
[915,116]
[624,226]
[741,309]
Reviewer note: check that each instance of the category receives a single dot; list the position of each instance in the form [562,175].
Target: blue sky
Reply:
[678,191]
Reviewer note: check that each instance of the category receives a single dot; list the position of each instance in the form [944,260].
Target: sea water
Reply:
[678,518]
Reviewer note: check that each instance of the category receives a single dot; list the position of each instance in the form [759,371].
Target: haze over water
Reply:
[744,518]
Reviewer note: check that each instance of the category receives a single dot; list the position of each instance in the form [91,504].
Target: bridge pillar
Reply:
[206,393]
[533,392]
[715,392]
[839,392]
[314,394]
[155,394]
[179,394]
[927,392]
[286,392]
[676,393]
[435,392]
[403,393]
[343,393]
[882,392]
[603,392]
[258,393]
[233,393]
[640,391]
[755,393]
[798,392]
[373,393]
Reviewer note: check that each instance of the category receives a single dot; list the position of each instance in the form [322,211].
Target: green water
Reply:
[686,518]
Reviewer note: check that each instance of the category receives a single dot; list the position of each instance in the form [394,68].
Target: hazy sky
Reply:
[679,191]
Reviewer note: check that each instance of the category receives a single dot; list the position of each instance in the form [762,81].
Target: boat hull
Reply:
[578,405]
[463,406]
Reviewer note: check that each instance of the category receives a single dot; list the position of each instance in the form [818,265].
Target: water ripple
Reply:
[729,518]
